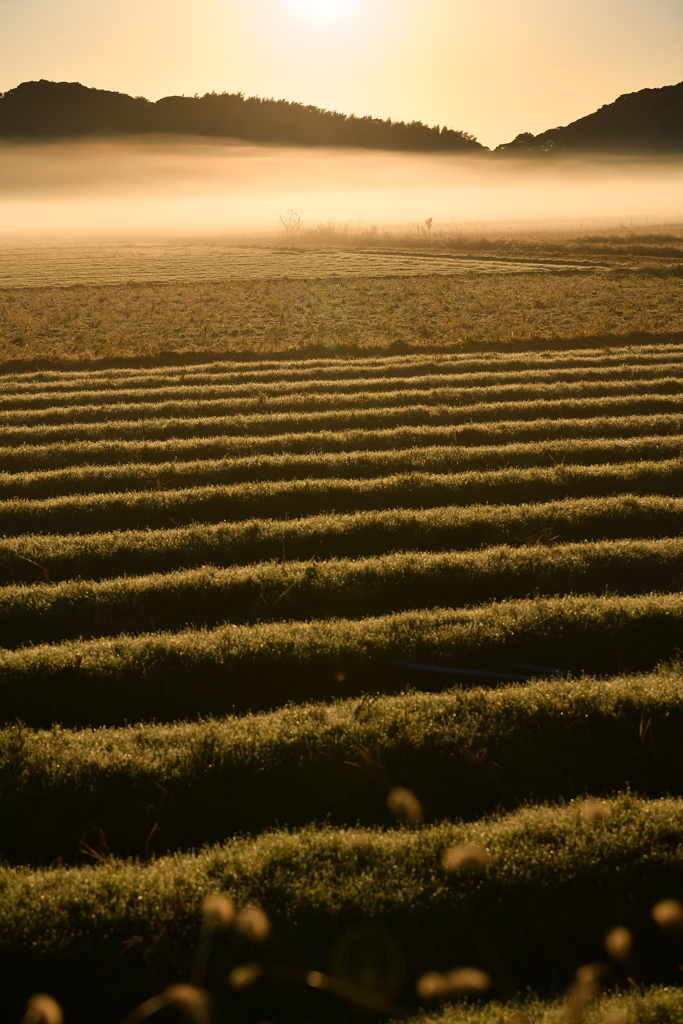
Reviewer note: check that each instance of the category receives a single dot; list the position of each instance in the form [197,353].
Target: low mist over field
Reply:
[171,186]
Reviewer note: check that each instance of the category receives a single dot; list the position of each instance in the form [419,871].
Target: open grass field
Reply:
[386,644]
[108,263]
[417,301]
[330,250]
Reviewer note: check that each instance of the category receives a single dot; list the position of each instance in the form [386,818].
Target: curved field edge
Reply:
[207,401]
[136,510]
[304,404]
[31,558]
[447,757]
[104,452]
[262,423]
[154,788]
[233,388]
[234,668]
[210,597]
[351,464]
[544,865]
[168,358]
[335,368]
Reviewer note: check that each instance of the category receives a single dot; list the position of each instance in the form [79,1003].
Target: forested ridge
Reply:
[63,109]
[647,121]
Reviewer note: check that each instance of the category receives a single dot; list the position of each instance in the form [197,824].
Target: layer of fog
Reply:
[172,187]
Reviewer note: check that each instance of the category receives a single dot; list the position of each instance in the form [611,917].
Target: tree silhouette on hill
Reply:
[650,120]
[58,109]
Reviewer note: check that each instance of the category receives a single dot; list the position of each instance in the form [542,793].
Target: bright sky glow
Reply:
[323,12]
[490,67]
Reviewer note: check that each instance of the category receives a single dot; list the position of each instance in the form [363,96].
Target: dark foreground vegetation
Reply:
[466,751]
[382,654]
[551,884]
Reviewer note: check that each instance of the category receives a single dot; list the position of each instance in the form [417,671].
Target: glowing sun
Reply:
[322,11]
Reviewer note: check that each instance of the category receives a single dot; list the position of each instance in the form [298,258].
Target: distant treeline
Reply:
[648,121]
[59,109]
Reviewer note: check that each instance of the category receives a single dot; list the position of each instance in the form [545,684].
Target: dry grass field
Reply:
[354,605]
[112,263]
[266,316]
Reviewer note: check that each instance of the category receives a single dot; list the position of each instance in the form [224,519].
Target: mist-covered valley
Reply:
[166,186]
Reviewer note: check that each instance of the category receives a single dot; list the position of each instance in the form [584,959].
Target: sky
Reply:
[493,68]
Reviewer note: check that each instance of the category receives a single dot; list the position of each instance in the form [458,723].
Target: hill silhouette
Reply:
[67,109]
[648,121]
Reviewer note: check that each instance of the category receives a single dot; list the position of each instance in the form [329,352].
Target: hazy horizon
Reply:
[174,186]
